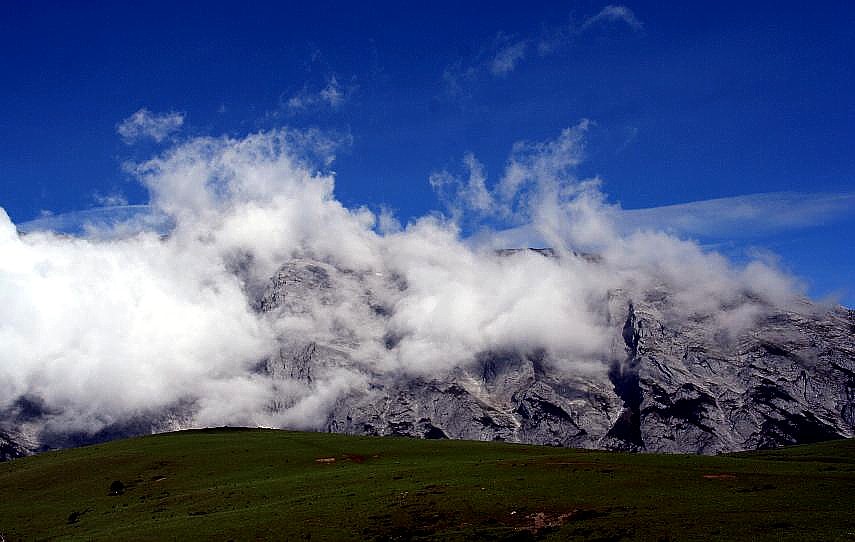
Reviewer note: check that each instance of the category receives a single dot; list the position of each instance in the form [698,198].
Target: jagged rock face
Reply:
[10,449]
[25,428]
[668,385]
[504,397]
[790,380]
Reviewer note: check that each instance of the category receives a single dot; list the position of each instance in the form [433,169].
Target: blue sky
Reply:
[687,103]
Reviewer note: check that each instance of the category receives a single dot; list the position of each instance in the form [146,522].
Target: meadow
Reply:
[252,484]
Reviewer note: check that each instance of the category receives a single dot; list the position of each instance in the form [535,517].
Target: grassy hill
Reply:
[263,484]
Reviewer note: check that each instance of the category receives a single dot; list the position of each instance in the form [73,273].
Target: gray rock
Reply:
[10,448]
[670,382]
[671,385]
[788,380]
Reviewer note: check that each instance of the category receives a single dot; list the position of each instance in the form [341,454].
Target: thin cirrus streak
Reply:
[743,216]
[747,216]
[502,55]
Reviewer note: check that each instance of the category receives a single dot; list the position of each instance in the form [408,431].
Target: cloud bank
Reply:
[118,323]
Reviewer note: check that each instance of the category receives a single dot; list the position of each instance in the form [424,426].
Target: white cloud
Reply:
[555,38]
[612,13]
[112,199]
[459,195]
[102,222]
[332,96]
[741,216]
[476,194]
[753,216]
[504,53]
[497,58]
[387,223]
[332,93]
[105,328]
[507,58]
[543,162]
[147,125]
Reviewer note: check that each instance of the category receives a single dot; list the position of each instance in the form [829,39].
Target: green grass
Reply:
[262,484]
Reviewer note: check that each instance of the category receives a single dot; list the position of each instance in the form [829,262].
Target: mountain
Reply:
[10,449]
[669,385]
[670,381]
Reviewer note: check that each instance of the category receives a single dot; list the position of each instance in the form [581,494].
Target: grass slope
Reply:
[264,484]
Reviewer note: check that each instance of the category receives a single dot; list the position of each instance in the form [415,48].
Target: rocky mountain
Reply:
[10,449]
[670,382]
[670,385]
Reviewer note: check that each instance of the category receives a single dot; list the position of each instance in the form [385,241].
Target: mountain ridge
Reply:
[668,387]
[670,382]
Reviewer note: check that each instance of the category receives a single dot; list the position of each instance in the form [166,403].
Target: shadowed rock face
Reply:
[788,380]
[668,384]
[10,449]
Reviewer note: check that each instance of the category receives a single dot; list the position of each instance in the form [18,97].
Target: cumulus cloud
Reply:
[103,330]
[538,189]
[115,325]
[147,125]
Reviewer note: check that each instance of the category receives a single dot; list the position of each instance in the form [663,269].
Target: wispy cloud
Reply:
[460,195]
[109,222]
[746,217]
[738,217]
[507,58]
[611,14]
[556,38]
[147,125]
[538,187]
[742,216]
[332,96]
[533,167]
[110,200]
[498,58]
[504,53]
